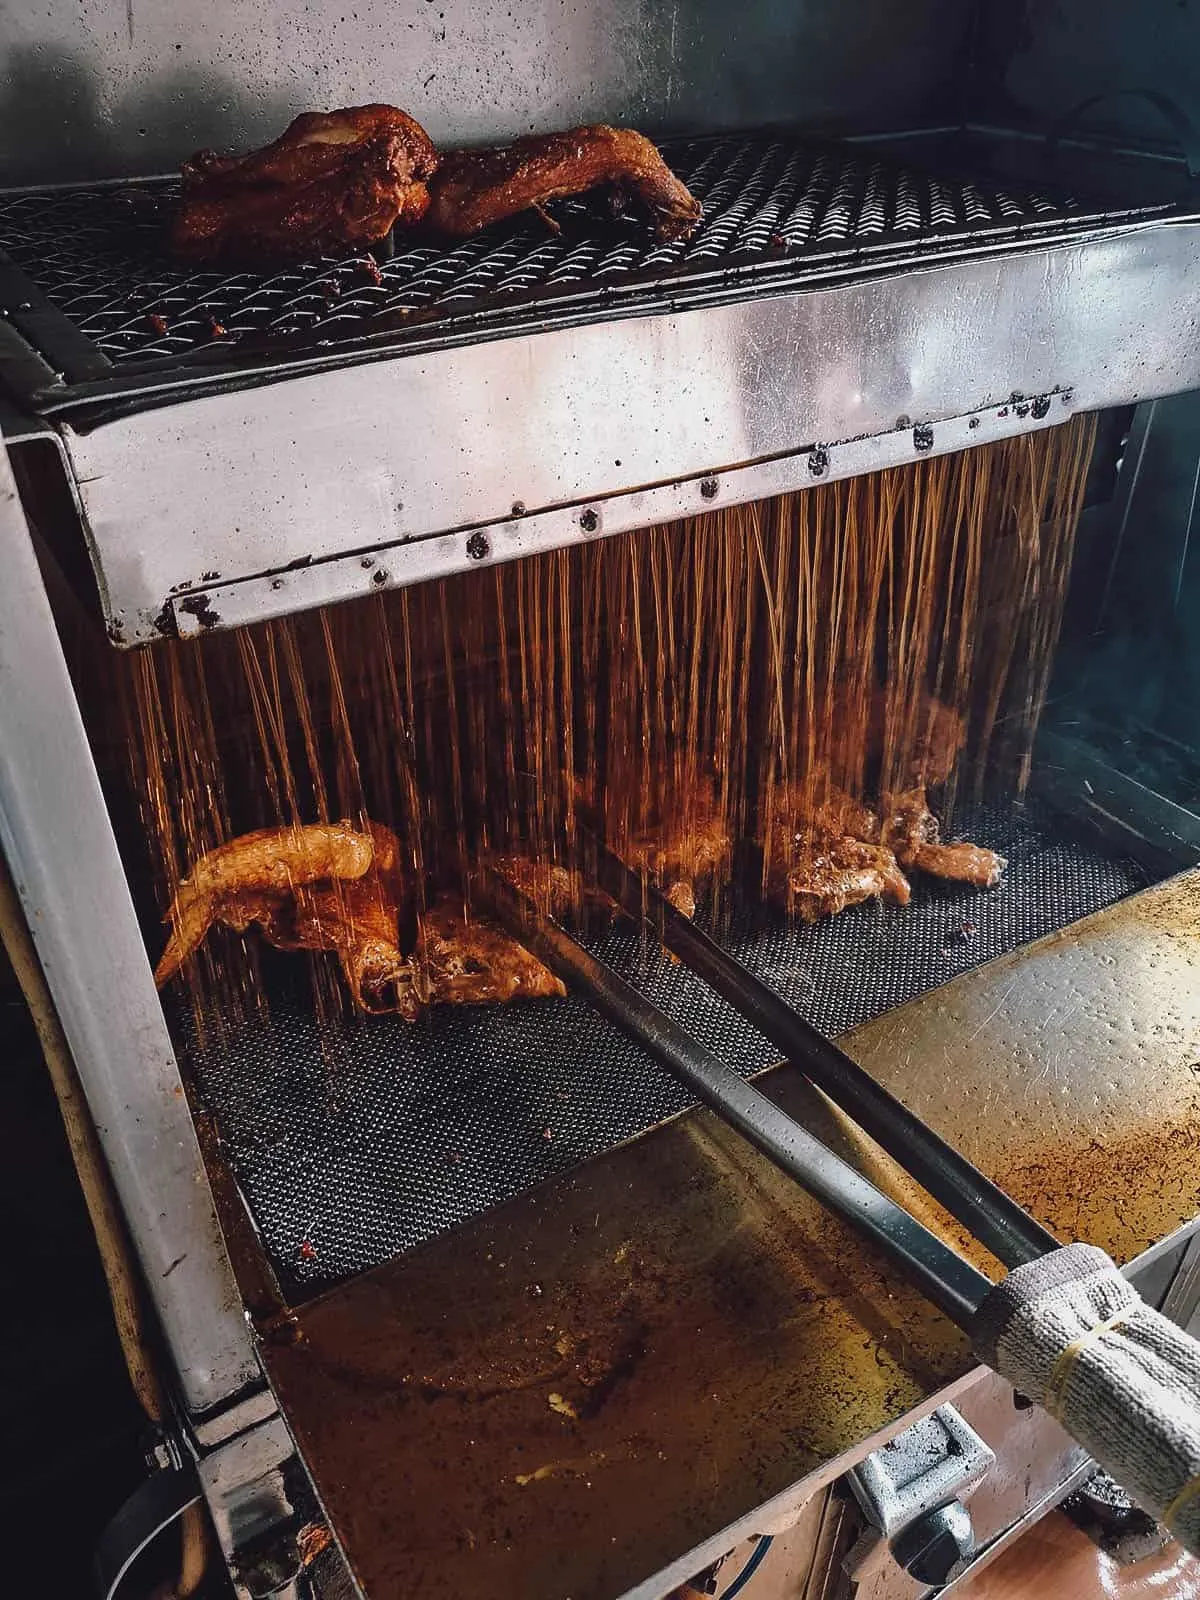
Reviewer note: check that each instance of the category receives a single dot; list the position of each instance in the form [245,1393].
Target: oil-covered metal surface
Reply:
[136,85]
[590,1388]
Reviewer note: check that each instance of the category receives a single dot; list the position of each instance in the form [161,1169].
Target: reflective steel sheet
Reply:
[589,1390]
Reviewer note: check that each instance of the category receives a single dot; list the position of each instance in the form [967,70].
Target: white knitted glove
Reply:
[1070,1332]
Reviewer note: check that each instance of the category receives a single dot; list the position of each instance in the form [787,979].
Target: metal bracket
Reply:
[912,1491]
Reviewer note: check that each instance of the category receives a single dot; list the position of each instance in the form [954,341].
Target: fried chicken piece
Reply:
[551,888]
[473,189]
[329,886]
[358,922]
[269,864]
[823,855]
[332,183]
[474,962]
[912,831]
[844,872]
[324,886]
[689,846]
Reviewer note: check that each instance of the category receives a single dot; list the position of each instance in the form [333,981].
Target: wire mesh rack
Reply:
[354,1140]
[774,208]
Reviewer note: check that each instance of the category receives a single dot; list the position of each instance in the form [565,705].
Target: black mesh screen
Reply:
[356,1141]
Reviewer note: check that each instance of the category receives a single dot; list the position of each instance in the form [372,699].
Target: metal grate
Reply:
[770,203]
[356,1142]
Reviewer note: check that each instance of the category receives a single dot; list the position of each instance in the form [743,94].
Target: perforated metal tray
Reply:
[776,210]
[354,1142]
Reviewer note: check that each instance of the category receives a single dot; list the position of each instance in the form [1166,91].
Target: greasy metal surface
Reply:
[609,1375]
[356,1140]
[135,86]
[236,484]
[57,839]
[772,205]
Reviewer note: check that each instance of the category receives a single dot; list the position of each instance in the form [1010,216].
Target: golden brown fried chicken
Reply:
[822,856]
[685,848]
[322,886]
[835,873]
[472,189]
[333,182]
[913,833]
[330,886]
[272,863]
[472,962]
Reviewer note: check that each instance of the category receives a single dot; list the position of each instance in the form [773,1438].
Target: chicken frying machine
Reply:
[500,1309]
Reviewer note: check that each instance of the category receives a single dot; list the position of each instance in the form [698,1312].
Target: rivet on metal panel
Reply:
[973,423]
[380,577]
[277,583]
[1040,406]
[518,508]
[818,461]
[709,488]
[478,546]
[923,437]
[367,563]
[589,520]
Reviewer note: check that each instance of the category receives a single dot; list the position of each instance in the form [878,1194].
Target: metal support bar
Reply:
[940,1273]
[56,835]
[997,1221]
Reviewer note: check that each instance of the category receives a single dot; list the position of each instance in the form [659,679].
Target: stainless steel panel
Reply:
[673,1347]
[55,833]
[249,483]
[395,566]
[136,85]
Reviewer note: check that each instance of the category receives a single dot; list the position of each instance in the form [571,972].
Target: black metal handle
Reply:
[151,1508]
[996,1220]
[944,1277]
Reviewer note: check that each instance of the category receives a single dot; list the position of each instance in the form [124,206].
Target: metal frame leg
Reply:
[56,835]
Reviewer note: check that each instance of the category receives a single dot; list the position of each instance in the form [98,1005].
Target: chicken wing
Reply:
[841,872]
[472,189]
[261,868]
[329,886]
[824,856]
[334,181]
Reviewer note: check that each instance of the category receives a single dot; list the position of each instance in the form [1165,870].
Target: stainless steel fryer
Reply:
[846,306]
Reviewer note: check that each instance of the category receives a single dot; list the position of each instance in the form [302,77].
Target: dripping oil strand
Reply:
[715,670]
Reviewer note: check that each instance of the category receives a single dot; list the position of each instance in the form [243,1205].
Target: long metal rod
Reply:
[939,1272]
[58,841]
[996,1220]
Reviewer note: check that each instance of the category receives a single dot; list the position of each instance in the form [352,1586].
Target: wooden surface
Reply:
[1055,1560]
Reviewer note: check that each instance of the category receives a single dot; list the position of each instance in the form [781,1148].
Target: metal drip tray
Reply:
[358,1141]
